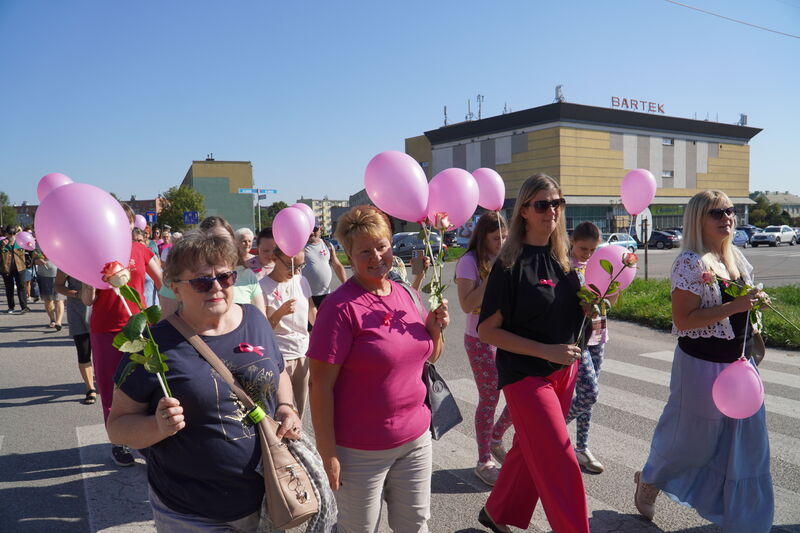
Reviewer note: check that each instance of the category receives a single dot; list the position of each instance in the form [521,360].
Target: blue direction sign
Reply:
[191,217]
[258,191]
[150,216]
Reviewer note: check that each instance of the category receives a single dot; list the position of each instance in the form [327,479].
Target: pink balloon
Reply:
[290,229]
[601,279]
[80,228]
[139,222]
[26,240]
[491,189]
[397,185]
[309,214]
[453,191]
[50,182]
[637,190]
[738,391]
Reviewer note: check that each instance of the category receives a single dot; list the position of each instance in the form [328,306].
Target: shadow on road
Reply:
[452,482]
[45,394]
[55,497]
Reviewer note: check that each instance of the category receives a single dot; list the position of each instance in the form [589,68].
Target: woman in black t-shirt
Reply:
[530,312]
[698,456]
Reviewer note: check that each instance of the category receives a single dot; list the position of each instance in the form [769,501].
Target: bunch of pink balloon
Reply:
[637,190]
[738,391]
[139,222]
[491,189]
[26,241]
[291,229]
[396,184]
[596,275]
[454,192]
[80,228]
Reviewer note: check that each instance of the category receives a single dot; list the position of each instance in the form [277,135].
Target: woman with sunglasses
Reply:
[367,351]
[203,453]
[698,456]
[290,309]
[246,290]
[530,312]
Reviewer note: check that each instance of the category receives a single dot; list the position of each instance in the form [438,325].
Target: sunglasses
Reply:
[543,205]
[206,283]
[718,213]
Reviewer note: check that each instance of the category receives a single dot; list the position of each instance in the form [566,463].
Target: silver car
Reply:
[774,236]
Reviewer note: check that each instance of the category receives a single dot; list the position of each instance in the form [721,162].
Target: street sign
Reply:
[262,196]
[644,215]
[258,191]
[191,217]
[150,216]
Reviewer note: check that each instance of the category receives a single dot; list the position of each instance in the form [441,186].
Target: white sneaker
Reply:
[587,460]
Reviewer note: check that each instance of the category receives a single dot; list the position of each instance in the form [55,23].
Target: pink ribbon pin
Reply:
[547,282]
[387,319]
[244,347]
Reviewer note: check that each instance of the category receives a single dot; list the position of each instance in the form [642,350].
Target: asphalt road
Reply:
[56,473]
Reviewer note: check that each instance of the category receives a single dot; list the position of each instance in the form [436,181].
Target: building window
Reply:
[668,174]
[668,141]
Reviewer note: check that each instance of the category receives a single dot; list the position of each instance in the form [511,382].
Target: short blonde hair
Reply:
[359,221]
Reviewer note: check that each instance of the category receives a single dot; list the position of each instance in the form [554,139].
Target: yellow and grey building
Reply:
[219,183]
[590,149]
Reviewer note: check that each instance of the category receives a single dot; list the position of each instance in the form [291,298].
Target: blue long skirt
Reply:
[701,458]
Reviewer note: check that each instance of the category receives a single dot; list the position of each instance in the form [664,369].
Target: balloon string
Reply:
[291,294]
[500,227]
[744,342]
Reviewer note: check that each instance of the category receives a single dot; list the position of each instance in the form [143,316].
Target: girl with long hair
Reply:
[530,312]
[471,272]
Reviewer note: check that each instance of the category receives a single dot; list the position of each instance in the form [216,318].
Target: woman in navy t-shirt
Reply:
[203,451]
[530,312]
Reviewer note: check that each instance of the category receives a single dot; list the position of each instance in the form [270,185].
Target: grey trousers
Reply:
[401,476]
[169,521]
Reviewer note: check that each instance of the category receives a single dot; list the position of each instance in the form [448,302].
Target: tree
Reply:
[268,213]
[176,201]
[8,215]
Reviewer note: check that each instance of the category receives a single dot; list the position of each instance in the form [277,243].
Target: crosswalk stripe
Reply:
[775,404]
[768,376]
[783,446]
[116,497]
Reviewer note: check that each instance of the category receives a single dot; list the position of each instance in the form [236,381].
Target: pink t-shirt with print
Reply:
[382,344]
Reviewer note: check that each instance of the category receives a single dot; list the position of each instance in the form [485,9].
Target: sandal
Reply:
[91,397]
[58,327]
[52,324]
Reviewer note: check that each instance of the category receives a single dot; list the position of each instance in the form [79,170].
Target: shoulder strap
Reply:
[208,354]
[411,292]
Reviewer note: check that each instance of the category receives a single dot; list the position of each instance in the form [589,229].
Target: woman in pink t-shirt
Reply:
[471,272]
[367,351]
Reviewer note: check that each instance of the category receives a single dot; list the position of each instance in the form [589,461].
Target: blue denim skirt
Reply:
[701,458]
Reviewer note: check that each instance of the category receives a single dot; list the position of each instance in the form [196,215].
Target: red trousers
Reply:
[541,462]
[105,359]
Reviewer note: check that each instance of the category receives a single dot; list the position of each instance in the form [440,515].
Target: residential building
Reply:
[322,210]
[788,202]
[219,183]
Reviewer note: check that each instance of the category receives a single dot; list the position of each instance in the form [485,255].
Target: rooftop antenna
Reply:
[445,115]
[480,104]
[742,119]
[469,116]
[559,95]
[505,107]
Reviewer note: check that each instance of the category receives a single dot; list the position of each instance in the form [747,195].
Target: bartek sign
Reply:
[637,105]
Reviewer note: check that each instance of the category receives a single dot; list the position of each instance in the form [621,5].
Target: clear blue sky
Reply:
[124,95]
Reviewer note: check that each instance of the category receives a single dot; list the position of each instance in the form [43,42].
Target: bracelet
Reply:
[290,406]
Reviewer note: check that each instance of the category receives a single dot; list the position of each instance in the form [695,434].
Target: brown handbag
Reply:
[288,492]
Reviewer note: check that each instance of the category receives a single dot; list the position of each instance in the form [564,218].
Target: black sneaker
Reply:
[24,310]
[122,456]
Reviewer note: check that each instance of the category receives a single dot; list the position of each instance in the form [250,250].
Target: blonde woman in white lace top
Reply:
[698,456]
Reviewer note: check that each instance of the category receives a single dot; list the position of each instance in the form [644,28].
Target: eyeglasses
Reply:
[297,267]
[543,205]
[717,214]
[205,283]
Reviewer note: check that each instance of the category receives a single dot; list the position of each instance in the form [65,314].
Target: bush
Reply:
[649,303]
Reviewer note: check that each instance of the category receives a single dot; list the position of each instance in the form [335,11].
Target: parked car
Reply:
[404,245]
[740,238]
[450,238]
[797,232]
[661,239]
[678,236]
[774,236]
[335,244]
[622,239]
[750,230]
